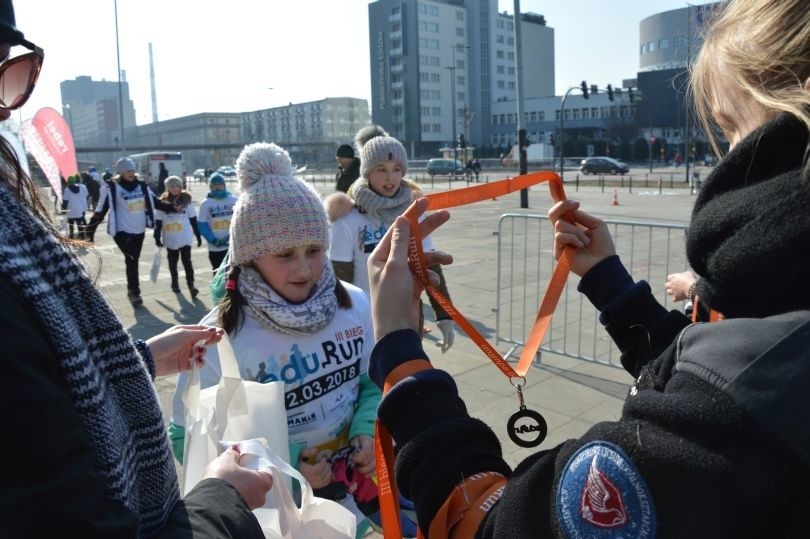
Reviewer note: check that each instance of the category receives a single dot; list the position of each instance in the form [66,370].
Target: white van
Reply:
[147,165]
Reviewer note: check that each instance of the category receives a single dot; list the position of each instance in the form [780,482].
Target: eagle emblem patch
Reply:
[602,494]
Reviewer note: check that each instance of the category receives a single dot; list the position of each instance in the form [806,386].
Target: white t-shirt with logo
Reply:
[353,237]
[217,213]
[321,372]
[176,229]
[76,202]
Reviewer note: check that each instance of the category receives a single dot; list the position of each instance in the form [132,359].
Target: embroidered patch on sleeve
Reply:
[601,494]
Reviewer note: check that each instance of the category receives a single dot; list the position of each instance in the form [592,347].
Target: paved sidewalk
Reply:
[572,395]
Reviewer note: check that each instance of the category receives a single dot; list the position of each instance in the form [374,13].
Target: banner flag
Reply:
[50,141]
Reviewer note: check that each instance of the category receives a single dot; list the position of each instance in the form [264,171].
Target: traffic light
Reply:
[584,87]
[610,92]
[462,142]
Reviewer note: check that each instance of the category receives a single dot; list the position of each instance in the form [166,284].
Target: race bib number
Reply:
[135,206]
[222,225]
[173,228]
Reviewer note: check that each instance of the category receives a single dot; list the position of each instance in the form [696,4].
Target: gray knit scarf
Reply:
[277,313]
[107,378]
[387,209]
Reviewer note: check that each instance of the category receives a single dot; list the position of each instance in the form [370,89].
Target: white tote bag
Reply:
[235,409]
[280,518]
[254,416]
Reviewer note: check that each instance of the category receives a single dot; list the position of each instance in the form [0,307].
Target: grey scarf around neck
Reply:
[387,209]
[277,313]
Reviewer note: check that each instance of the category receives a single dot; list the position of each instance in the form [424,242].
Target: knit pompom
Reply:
[260,160]
[367,133]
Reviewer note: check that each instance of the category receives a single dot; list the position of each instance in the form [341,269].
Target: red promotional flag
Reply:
[57,138]
[36,147]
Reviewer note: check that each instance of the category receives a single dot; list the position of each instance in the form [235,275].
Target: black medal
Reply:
[525,427]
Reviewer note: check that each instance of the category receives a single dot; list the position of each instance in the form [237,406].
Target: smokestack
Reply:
[152,80]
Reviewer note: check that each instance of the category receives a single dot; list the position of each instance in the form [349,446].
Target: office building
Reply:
[438,66]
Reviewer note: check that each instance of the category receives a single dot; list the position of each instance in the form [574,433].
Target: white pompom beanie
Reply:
[276,210]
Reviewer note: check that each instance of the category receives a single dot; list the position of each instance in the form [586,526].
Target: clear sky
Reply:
[241,55]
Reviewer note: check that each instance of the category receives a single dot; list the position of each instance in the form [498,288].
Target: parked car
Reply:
[603,165]
[227,170]
[444,167]
[199,174]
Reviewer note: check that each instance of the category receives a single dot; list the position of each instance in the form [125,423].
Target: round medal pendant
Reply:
[527,428]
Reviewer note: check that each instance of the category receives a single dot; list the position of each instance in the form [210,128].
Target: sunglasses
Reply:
[19,75]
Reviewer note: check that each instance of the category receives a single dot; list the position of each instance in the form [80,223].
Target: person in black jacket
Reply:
[131,205]
[348,168]
[712,441]
[89,456]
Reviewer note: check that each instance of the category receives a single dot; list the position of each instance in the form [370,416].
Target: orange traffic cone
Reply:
[615,201]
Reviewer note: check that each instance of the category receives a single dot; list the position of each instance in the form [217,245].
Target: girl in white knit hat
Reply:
[361,217]
[289,318]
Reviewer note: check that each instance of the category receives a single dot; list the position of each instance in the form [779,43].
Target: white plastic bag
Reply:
[155,269]
[280,518]
[235,409]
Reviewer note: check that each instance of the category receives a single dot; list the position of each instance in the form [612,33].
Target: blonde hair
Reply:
[760,50]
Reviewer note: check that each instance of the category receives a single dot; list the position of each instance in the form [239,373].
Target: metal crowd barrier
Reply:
[650,251]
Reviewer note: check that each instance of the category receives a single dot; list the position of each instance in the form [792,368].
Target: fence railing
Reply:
[650,251]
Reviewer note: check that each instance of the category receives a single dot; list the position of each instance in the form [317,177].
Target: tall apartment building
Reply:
[91,109]
[438,66]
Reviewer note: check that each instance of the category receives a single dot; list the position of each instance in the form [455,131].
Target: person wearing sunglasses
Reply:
[85,448]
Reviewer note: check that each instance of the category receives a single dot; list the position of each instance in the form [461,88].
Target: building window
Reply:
[678,42]
[494,119]
[510,70]
[500,69]
[499,23]
[557,114]
[501,85]
[510,41]
[499,38]
[533,116]
[503,119]
[510,55]
[510,85]
[585,114]
[459,32]
[434,61]
[663,43]
[423,77]
[541,116]
[651,46]
[459,15]
[576,114]
[435,77]
[643,49]
[594,112]
[499,54]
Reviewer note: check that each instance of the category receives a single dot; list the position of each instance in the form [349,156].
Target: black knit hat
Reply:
[344,150]
[8,31]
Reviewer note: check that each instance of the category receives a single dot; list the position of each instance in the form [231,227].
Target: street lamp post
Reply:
[120,87]
[452,70]
[561,140]
[70,120]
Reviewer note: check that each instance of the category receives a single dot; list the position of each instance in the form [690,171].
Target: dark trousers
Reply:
[184,254]
[130,245]
[80,224]
[216,258]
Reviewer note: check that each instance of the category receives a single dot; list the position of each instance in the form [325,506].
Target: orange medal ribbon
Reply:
[389,503]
